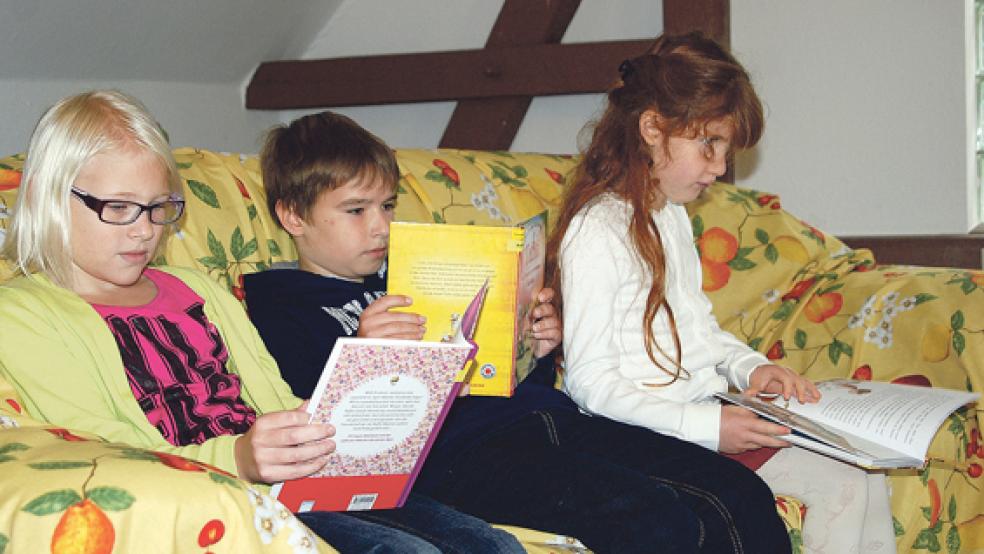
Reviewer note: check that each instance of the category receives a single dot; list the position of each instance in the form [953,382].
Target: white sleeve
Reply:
[594,260]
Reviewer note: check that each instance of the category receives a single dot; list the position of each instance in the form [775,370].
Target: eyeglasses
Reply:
[124,212]
[712,146]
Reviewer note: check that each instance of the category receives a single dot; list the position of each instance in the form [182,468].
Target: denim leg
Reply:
[350,535]
[616,487]
[521,477]
[735,505]
[451,531]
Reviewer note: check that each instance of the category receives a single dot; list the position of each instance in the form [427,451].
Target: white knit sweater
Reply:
[604,290]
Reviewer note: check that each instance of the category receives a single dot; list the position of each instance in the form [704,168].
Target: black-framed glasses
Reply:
[125,212]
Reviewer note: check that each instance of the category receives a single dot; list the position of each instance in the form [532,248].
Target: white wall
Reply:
[867,125]
[186,59]
[867,105]
[208,116]
[367,27]
[867,112]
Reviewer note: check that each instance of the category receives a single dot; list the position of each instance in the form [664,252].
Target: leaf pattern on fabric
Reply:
[204,193]
[787,289]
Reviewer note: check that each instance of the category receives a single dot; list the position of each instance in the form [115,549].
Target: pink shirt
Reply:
[175,362]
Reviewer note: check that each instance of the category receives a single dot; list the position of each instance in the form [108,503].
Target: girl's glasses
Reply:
[712,146]
[124,212]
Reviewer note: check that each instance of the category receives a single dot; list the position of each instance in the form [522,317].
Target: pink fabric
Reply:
[754,459]
[175,361]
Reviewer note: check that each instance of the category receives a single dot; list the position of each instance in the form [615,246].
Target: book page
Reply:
[384,398]
[810,434]
[901,417]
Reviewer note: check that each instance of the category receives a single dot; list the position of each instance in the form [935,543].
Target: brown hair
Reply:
[689,81]
[316,153]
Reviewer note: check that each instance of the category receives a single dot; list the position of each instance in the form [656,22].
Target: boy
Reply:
[532,460]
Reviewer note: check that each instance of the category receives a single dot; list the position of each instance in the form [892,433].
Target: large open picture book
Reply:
[387,400]
[868,423]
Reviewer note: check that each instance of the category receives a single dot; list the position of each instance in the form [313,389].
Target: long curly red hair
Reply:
[689,81]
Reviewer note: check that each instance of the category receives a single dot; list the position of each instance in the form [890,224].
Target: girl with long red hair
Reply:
[641,344]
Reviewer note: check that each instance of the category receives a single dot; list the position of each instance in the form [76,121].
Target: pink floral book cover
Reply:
[387,400]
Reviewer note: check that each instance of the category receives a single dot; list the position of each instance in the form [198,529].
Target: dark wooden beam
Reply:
[963,251]
[536,70]
[713,17]
[492,123]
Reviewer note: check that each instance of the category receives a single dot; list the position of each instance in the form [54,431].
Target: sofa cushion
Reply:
[100,497]
[811,303]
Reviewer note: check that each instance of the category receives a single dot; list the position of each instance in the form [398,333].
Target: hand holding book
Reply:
[743,430]
[380,321]
[546,330]
[386,400]
[867,423]
[781,381]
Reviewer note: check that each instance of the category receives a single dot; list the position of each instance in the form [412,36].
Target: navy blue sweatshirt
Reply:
[300,315]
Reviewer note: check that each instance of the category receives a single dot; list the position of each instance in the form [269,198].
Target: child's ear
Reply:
[292,222]
[649,127]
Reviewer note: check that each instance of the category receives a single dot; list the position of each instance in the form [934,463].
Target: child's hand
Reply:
[774,379]
[378,322]
[742,430]
[282,445]
[546,330]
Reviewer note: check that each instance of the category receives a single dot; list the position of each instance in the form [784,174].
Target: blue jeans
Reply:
[421,526]
[616,487]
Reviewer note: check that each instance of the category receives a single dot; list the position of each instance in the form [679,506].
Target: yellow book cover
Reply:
[440,267]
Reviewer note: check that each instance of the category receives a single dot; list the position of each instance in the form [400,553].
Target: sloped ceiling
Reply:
[203,41]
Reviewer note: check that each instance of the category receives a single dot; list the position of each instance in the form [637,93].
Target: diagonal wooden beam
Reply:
[492,123]
[713,17]
[536,70]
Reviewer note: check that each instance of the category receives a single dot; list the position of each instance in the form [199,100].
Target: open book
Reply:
[867,423]
[441,265]
[387,400]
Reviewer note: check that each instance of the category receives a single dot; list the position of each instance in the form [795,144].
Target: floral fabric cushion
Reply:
[117,495]
[77,493]
[809,302]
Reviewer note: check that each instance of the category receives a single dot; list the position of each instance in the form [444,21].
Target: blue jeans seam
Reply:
[717,504]
[551,427]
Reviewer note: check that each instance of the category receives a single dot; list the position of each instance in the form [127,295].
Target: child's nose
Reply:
[142,228]
[719,165]
[380,223]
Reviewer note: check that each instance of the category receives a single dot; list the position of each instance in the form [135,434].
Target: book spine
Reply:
[455,390]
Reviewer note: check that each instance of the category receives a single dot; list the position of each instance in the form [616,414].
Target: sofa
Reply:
[783,286]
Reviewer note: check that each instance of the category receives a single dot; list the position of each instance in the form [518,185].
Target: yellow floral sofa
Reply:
[800,296]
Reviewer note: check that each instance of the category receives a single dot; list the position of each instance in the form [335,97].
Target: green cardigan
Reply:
[63,361]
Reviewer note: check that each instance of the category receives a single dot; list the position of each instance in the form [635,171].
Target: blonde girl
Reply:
[161,358]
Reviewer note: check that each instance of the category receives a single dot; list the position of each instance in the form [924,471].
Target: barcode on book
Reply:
[362,502]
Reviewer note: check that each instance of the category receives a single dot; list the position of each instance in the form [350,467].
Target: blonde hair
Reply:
[66,137]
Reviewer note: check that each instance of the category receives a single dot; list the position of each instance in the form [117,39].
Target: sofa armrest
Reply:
[60,486]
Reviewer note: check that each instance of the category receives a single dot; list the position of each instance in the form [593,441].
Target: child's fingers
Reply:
[299,461]
[752,390]
[385,303]
[544,311]
[545,296]
[390,324]
[400,331]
